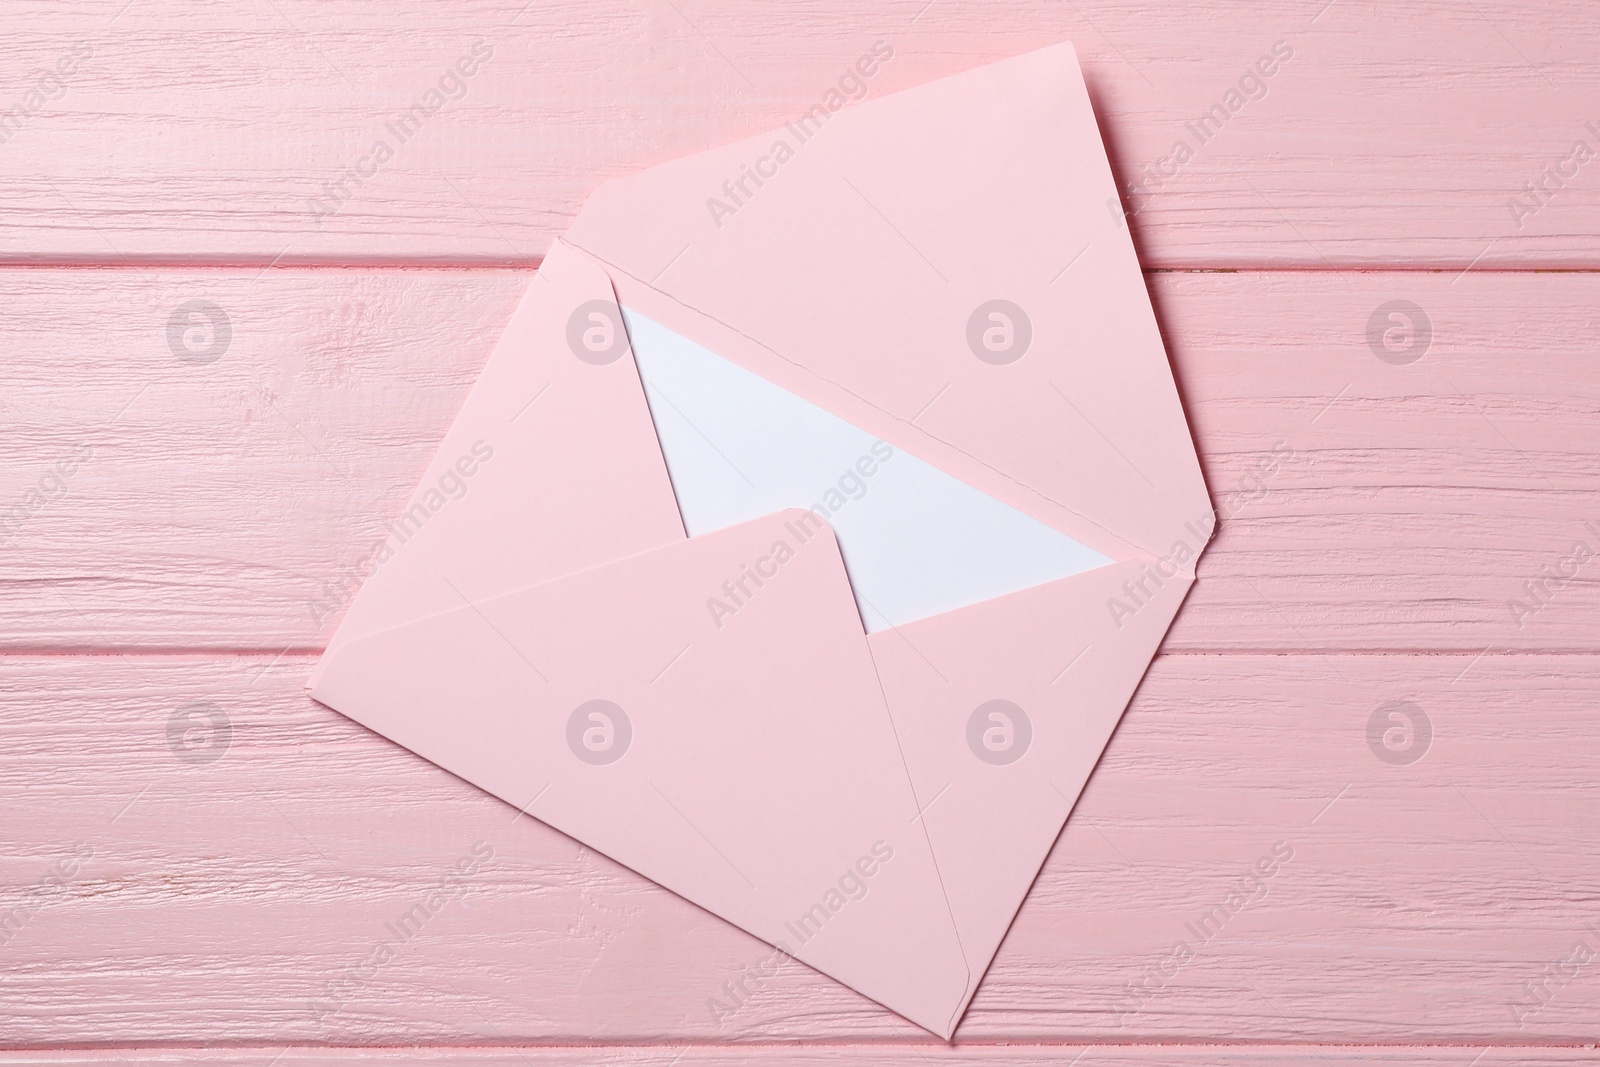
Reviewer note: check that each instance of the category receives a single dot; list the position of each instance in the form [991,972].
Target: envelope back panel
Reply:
[741,755]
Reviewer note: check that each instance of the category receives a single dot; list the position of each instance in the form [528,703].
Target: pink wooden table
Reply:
[1403,502]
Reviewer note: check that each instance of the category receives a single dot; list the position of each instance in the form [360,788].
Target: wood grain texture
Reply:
[1365,506]
[239,901]
[1395,135]
[689,1055]
[186,528]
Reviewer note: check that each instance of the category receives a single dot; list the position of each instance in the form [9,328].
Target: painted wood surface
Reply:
[1393,133]
[185,527]
[1365,505]
[235,890]
[688,1055]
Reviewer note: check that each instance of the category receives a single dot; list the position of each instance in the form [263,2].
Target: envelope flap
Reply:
[1011,342]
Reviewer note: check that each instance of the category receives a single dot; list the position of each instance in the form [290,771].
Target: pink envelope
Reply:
[848,714]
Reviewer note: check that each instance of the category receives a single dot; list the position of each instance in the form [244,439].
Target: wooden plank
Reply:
[245,133]
[803,1056]
[1372,503]
[240,900]
[1366,505]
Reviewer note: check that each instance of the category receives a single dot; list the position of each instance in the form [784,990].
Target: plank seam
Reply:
[1575,1044]
[159,652]
[521,264]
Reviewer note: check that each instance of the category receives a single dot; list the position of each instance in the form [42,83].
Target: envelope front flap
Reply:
[706,714]
[944,268]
